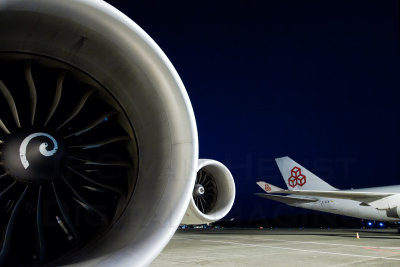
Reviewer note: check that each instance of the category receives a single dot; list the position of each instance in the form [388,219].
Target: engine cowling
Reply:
[98,138]
[213,194]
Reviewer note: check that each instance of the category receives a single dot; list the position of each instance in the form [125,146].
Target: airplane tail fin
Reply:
[269,188]
[299,178]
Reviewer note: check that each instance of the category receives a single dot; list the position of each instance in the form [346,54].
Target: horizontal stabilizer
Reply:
[269,188]
[366,197]
[287,199]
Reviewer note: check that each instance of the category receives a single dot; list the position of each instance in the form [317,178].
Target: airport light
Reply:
[369,223]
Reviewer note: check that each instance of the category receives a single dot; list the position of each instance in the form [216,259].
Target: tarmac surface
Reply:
[282,247]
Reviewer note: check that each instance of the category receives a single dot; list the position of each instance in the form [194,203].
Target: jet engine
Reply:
[213,193]
[98,140]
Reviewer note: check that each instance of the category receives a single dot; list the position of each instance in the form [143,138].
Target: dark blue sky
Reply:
[315,80]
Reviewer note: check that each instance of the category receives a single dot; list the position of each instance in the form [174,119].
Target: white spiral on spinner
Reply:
[42,148]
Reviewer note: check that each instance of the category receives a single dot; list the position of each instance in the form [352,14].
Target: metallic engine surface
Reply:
[99,40]
[225,197]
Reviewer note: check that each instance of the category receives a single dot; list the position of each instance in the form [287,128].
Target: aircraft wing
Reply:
[290,200]
[365,197]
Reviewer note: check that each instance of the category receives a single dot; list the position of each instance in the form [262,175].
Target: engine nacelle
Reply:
[393,212]
[213,193]
[87,88]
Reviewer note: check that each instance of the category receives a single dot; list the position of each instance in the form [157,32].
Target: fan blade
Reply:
[102,143]
[39,223]
[10,101]
[207,183]
[90,162]
[10,227]
[78,108]
[61,224]
[85,204]
[65,214]
[204,179]
[92,125]
[200,177]
[105,186]
[32,89]
[4,128]
[201,204]
[57,96]
[4,192]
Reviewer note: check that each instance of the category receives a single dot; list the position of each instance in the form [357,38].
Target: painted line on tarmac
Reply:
[329,244]
[318,243]
[292,249]
[382,250]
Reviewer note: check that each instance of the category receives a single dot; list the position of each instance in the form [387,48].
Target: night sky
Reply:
[314,80]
